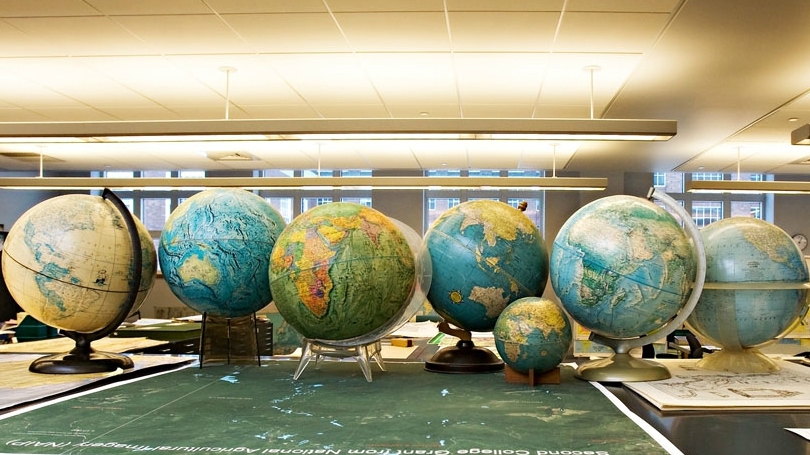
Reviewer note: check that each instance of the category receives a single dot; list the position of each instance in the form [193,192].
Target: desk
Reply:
[64,344]
[177,337]
[722,432]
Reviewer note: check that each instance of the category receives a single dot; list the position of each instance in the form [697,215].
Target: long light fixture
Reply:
[801,135]
[748,187]
[340,129]
[307,183]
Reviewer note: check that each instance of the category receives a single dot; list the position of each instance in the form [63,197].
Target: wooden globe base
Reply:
[464,357]
[622,367]
[738,361]
[81,363]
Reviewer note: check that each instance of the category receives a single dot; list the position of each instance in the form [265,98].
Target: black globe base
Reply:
[464,357]
[81,360]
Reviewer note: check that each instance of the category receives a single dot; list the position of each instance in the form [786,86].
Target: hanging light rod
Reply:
[748,187]
[337,129]
[306,183]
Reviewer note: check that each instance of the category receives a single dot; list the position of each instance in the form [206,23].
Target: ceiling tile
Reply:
[423,109]
[648,6]
[354,6]
[156,78]
[43,8]
[505,5]
[412,78]
[609,32]
[76,81]
[252,79]
[325,78]
[305,32]
[503,31]
[395,32]
[86,36]
[143,7]
[184,34]
[15,43]
[267,6]
[499,78]
[568,80]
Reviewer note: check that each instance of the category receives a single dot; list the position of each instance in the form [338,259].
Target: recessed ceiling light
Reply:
[793,119]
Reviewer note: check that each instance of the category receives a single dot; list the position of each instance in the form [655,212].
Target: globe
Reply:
[68,262]
[755,292]
[532,333]
[214,252]
[622,266]
[485,255]
[340,271]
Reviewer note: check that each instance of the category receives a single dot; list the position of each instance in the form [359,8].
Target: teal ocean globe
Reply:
[485,254]
[755,292]
[68,261]
[622,266]
[341,271]
[214,252]
[532,333]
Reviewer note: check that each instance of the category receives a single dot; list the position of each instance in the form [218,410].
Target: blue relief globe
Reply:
[622,266]
[755,292]
[485,255]
[342,272]
[68,262]
[532,333]
[214,252]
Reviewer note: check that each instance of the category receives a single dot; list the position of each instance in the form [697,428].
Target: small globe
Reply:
[215,249]
[532,333]
[68,262]
[485,255]
[755,291]
[340,271]
[622,266]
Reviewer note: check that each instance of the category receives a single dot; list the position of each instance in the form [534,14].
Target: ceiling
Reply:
[732,73]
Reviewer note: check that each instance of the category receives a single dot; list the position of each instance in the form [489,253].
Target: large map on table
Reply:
[334,411]
[691,387]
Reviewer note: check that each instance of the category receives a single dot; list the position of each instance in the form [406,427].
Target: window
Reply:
[358,200]
[437,201]
[707,208]
[706,212]
[284,206]
[310,202]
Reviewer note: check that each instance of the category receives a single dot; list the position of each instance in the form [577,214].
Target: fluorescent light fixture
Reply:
[748,187]
[307,183]
[320,129]
[801,135]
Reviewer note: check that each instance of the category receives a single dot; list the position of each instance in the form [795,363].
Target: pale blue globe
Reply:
[754,291]
[215,250]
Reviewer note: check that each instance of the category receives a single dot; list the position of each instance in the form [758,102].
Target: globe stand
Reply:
[233,340]
[623,367]
[532,377]
[741,360]
[361,353]
[464,357]
[83,358]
